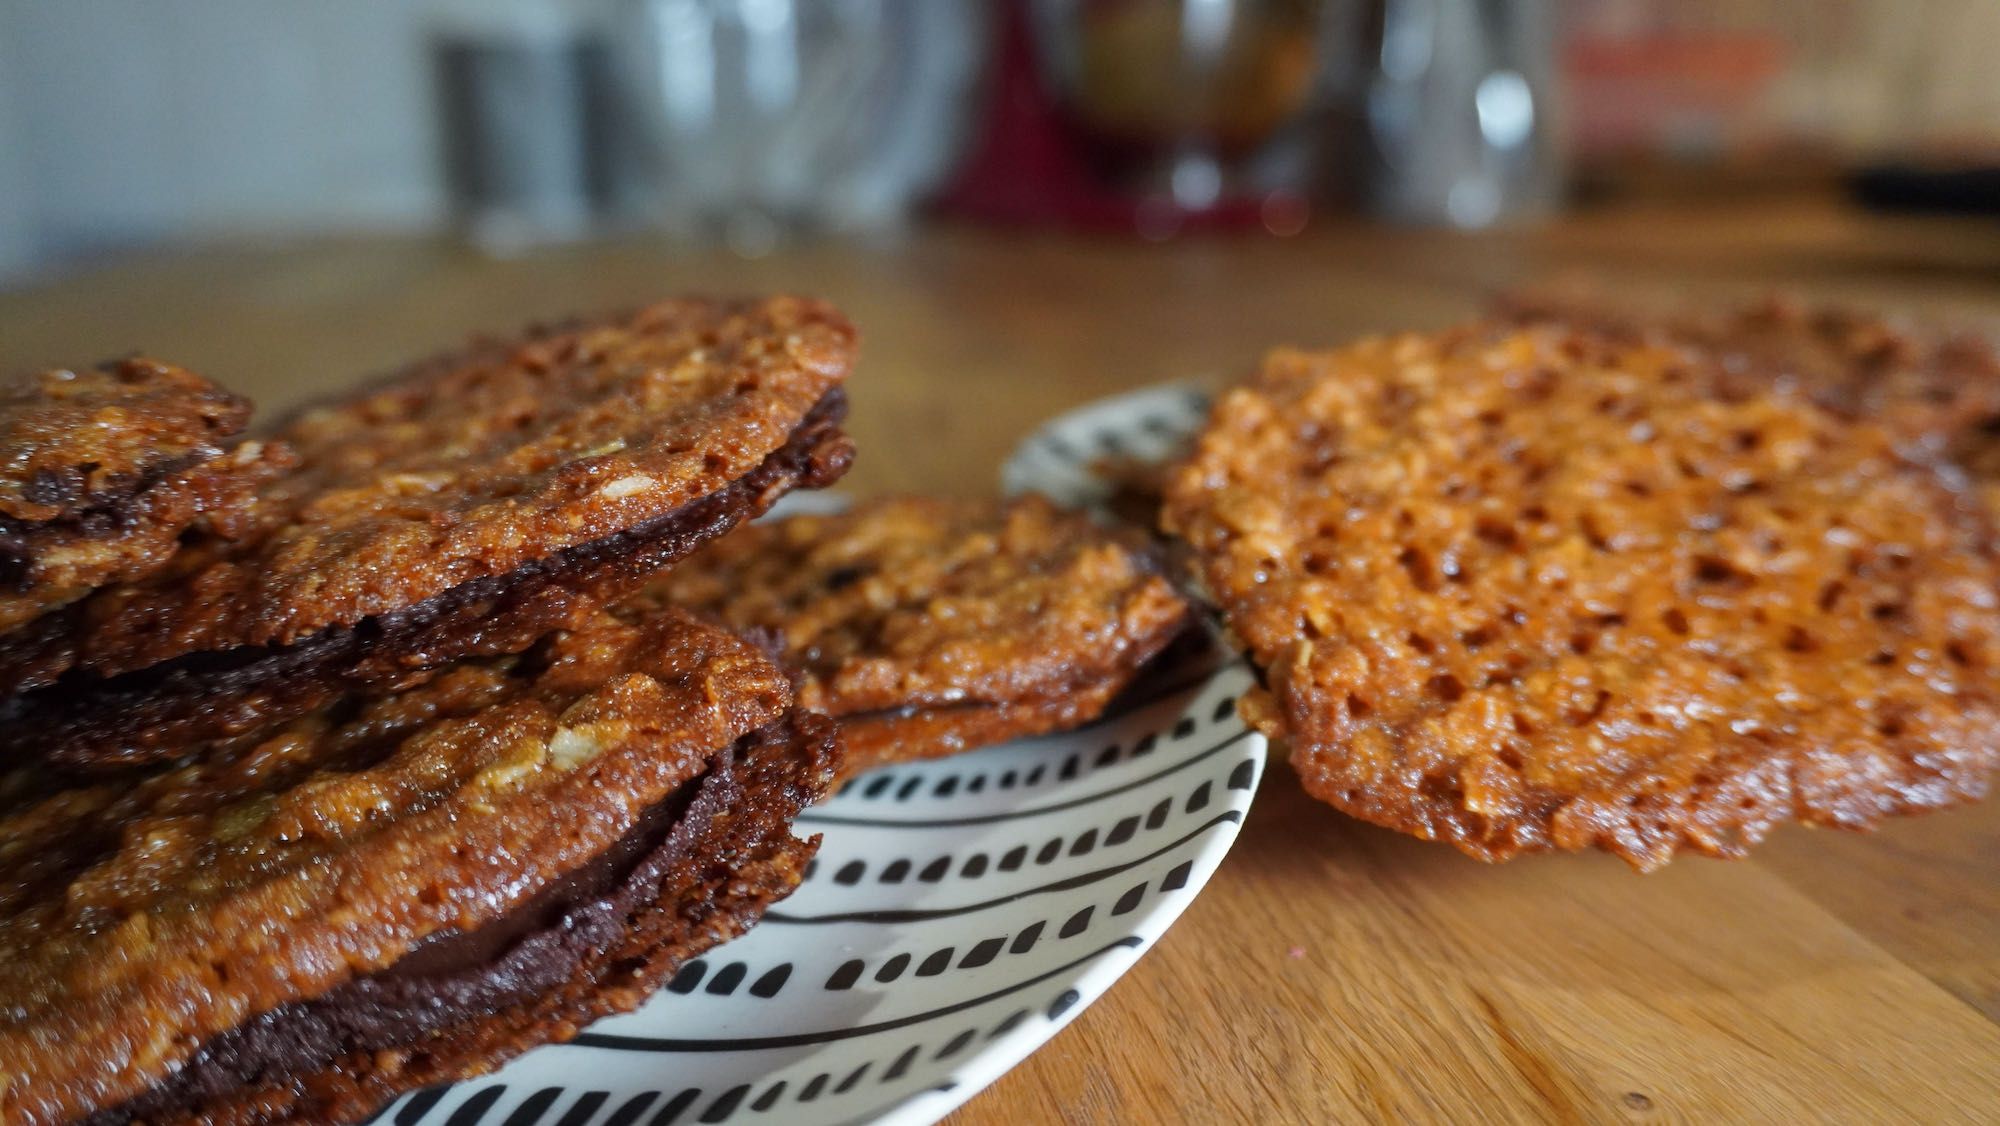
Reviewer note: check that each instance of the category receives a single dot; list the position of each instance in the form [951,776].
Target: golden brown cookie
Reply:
[392,893]
[466,508]
[1532,590]
[103,470]
[873,739]
[928,627]
[1931,387]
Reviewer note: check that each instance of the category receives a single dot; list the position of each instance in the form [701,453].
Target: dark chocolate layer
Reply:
[101,513]
[85,722]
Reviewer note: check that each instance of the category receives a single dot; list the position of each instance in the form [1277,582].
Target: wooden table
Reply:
[1332,971]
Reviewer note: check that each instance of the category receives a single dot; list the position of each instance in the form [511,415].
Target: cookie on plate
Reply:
[394,893]
[103,470]
[929,627]
[1530,590]
[465,508]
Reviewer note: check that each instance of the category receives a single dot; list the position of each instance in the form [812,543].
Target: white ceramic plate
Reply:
[1151,424]
[959,913]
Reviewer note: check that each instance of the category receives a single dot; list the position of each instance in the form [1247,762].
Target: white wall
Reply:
[137,119]
[17,219]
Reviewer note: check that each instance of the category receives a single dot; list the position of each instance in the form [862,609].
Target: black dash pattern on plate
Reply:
[475,1106]
[584,1109]
[533,1107]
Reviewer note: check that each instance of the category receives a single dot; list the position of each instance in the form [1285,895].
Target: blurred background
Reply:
[749,124]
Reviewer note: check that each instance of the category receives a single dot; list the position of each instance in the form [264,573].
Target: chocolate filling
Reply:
[117,498]
[151,713]
[105,513]
[458,976]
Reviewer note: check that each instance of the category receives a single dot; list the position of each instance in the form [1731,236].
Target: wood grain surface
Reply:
[1332,971]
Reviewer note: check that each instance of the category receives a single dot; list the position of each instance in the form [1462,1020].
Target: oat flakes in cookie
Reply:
[390,894]
[928,627]
[103,471]
[1531,590]
[466,507]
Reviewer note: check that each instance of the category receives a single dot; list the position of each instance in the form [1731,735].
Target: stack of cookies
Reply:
[1571,579]
[367,753]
